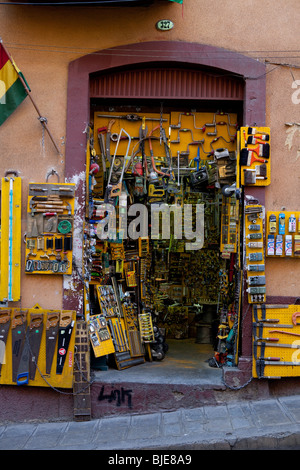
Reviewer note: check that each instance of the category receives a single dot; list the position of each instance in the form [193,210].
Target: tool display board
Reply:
[207,131]
[108,301]
[10,239]
[276,341]
[255,156]
[114,331]
[146,327]
[283,234]
[109,126]
[255,256]
[39,347]
[229,225]
[100,336]
[134,339]
[188,132]
[49,234]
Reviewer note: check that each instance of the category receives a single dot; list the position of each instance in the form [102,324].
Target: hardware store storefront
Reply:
[154,130]
[165,137]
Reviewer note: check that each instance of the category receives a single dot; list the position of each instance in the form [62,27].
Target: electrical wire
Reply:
[158,54]
[130,52]
[152,54]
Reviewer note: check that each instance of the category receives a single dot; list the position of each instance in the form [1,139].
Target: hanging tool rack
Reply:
[49,233]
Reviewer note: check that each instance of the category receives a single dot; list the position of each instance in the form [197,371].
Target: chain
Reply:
[161,121]
[237,388]
[42,121]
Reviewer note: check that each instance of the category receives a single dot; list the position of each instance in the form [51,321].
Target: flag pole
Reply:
[42,119]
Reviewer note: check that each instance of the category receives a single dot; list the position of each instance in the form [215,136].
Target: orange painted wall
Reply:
[43,40]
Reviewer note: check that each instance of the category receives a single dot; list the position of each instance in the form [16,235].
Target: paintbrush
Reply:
[250,177]
[262,150]
[261,170]
[253,139]
[247,158]
[254,130]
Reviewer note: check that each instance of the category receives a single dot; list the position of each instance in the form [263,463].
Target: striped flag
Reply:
[12,90]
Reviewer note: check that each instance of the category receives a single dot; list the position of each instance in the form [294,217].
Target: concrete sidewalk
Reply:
[255,425]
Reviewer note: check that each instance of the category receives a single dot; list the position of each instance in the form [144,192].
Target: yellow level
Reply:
[10,239]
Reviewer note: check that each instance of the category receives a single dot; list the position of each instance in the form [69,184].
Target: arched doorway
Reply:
[208,73]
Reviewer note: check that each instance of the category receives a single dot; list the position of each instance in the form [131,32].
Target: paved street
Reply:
[254,425]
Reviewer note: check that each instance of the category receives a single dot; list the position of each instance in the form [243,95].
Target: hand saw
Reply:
[66,325]
[114,190]
[18,331]
[28,360]
[36,329]
[52,325]
[4,328]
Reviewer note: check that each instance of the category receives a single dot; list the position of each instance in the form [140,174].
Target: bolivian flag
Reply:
[12,91]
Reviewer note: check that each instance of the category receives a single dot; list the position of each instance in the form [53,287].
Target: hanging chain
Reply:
[161,122]
[42,121]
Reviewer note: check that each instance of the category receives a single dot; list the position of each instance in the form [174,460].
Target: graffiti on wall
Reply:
[119,396]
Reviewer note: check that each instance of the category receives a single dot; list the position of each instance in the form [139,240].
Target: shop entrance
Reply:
[204,74]
[168,306]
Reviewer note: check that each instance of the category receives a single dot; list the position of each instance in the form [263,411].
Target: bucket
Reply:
[203,335]
[209,313]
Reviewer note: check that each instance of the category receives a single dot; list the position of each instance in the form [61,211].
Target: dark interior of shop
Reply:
[191,297]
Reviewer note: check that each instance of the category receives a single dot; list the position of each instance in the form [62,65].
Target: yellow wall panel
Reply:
[276,341]
[42,378]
